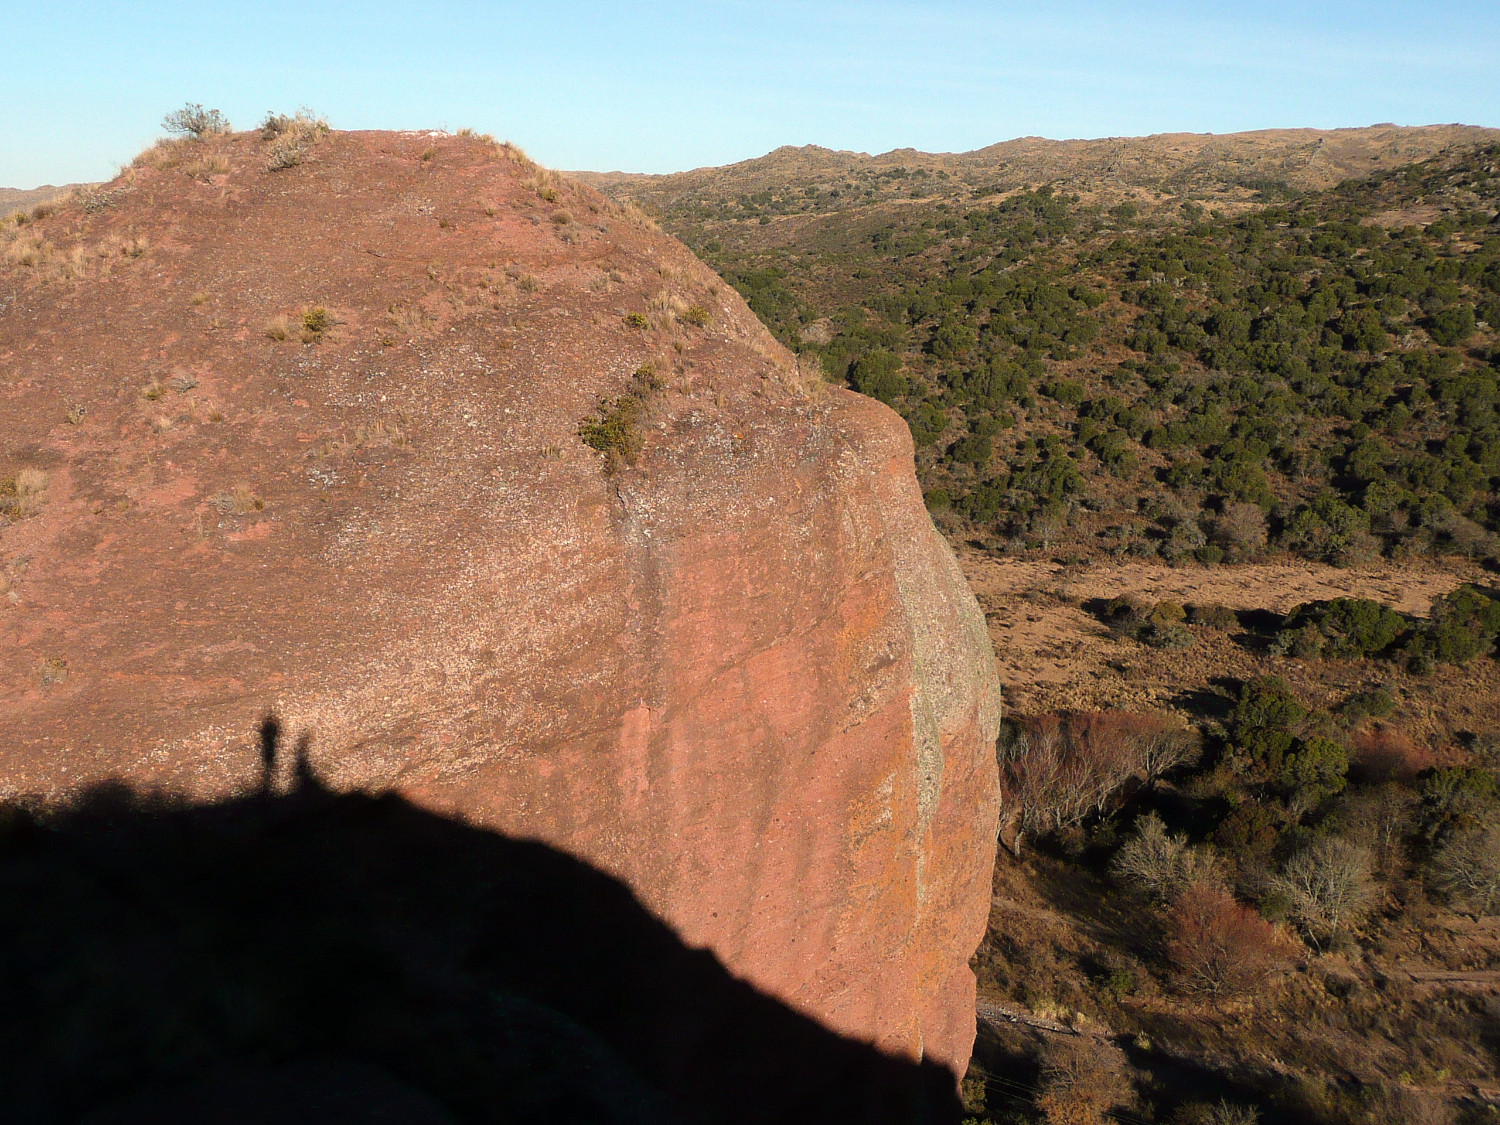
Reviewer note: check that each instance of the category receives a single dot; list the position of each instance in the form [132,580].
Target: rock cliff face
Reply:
[727,658]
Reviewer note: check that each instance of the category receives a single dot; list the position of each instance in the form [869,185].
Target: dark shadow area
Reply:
[1230,686]
[1261,626]
[1009,1062]
[1203,704]
[318,957]
[1099,609]
[1171,1081]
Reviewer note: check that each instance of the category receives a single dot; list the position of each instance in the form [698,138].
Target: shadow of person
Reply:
[312,956]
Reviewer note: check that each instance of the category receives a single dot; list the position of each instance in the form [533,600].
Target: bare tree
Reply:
[1241,528]
[1040,783]
[1409,1107]
[1218,945]
[1467,868]
[1329,885]
[1226,1113]
[1161,747]
[1151,859]
[1059,770]
[192,120]
[1161,864]
[1082,1081]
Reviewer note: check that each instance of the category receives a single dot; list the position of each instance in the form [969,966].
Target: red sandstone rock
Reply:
[744,674]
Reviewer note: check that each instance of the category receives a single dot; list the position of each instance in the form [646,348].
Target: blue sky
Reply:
[665,86]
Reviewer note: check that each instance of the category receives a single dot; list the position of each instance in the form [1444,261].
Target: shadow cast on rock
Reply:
[312,956]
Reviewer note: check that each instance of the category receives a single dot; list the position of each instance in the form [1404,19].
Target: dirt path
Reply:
[1052,653]
[1481,979]
[998,1014]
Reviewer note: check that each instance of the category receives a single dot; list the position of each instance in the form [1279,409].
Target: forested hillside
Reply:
[1152,377]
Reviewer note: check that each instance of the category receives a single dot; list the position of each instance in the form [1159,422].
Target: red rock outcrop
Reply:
[742,672]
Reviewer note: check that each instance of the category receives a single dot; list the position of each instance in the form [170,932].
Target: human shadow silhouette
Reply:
[310,956]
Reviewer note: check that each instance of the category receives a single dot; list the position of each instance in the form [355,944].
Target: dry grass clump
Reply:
[30,251]
[672,307]
[22,495]
[410,320]
[633,213]
[123,246]
[546,183]
[562,218]
[291,137]
[207,167]
[309,326]
[54,671]
[72,263]
[315,322]
[545,192]
[376,435]
[240,501]
[382,433]
[38,253]
[165,153]
[517,156]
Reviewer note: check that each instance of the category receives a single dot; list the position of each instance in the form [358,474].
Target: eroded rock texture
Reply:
[743,672]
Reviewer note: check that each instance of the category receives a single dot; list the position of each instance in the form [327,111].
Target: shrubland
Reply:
[1316,374]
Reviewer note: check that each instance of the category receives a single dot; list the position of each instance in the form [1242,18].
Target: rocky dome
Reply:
[499,499]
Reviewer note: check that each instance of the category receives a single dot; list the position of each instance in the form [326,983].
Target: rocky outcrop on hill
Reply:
[497,498]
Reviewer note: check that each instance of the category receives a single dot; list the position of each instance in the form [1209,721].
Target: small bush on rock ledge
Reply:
[615,429]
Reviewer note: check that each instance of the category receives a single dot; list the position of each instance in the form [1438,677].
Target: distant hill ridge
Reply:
[1303,158]
[19,199]
[1213,164]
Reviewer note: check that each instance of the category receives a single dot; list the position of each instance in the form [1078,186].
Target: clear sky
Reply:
[671,85]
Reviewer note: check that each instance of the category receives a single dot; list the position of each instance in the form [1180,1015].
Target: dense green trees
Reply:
[1340,375]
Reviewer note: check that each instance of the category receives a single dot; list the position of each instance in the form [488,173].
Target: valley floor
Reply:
[1055,655]
[1399,1021]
